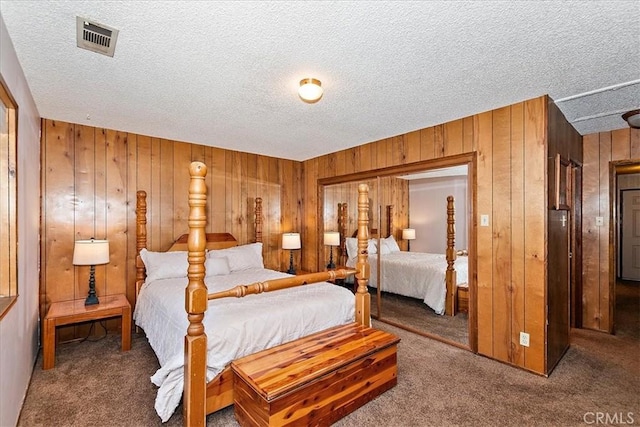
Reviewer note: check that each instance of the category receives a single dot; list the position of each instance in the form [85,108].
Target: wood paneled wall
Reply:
[600,149]
[511,188]
[89,181]
[394,192]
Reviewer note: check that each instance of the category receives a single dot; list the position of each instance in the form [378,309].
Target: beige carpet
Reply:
[94,384]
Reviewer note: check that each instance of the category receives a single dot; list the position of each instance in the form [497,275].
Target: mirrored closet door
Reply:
[412,227]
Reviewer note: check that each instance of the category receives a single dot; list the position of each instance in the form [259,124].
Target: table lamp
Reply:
[331,239]
[291,241]
[409,234]
[91,252]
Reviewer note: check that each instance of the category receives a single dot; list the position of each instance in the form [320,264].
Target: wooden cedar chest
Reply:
[315,380]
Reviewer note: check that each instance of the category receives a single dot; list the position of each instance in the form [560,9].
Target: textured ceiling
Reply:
[226,73]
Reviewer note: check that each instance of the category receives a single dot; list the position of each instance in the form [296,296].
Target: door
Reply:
[558,285]
[630,235]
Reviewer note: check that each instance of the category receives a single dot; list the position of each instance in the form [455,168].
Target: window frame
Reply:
[8,191]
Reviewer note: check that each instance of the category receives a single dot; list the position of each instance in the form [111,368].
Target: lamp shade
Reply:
[91,252]
[408,234]
[310,90]
[291,241]
[332,238]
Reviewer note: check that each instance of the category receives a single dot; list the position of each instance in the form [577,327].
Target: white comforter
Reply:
[417,275]
[235,327]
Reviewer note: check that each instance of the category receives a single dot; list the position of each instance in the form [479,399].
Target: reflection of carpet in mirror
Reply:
[414,313]
[627,308]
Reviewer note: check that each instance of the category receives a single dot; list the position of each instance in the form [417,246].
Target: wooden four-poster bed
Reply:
[440,280]
[211,382]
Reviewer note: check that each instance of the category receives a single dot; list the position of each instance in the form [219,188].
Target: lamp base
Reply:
[331,265]
[291,270]
[91,300]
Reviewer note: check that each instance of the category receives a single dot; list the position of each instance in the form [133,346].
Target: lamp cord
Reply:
[91,329]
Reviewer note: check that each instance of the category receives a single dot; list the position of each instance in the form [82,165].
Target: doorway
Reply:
[625,277]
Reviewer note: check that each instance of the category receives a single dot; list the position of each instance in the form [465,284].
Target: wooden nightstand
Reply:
[70,312]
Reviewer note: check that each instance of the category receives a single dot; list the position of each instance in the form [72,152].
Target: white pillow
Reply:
[217,266]
[352,247]
[384,248]
[392,244]
[164,265]
[241,257]
[372,248]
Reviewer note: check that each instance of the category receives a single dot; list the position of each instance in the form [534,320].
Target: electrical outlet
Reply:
[524,339]
[599,221]
[484,220]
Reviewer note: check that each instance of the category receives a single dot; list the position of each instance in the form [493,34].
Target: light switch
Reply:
[484,220]
[599,221]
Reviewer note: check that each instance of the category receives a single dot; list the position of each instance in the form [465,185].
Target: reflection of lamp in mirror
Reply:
[91,252]
[331,239]
[291,241]
[408,234]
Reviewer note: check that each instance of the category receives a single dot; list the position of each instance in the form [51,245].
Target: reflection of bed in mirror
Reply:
[439,280]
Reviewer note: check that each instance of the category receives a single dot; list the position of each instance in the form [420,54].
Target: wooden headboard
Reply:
[373,233]
[214,240]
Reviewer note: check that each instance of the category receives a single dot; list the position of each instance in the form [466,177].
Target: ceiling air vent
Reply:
[96,37]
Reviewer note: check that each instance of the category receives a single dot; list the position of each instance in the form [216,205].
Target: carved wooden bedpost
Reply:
[451,279]
[258,219]
[363,299]
[195,367]
[342,229]
[141,231]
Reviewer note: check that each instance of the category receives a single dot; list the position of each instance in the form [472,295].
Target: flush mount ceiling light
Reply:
[310,90]
[633,118]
